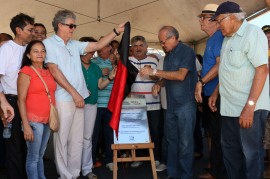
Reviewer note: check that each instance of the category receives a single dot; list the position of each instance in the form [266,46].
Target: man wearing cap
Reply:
[208,81]
[244,91]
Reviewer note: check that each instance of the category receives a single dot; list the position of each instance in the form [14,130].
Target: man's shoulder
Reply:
[9,48]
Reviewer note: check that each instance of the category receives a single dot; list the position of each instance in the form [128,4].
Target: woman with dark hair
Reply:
[34,106]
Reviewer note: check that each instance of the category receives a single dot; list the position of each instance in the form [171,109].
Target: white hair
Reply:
[240,16]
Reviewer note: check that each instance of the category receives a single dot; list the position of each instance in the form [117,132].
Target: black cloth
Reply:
[216,157]
[15,146]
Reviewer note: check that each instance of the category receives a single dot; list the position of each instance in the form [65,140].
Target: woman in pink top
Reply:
[34,106]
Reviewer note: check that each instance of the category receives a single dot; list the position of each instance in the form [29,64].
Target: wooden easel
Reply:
[132,157]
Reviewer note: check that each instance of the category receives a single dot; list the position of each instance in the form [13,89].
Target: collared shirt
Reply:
[104,95]
[11,55]
[91,76]
[180,92]
[240,55]
[212,51]
[143,84]
[67,57]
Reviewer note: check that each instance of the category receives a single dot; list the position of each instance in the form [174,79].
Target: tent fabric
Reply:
[98,17]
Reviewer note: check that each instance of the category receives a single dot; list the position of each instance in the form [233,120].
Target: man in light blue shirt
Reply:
[63,61]
[244,91]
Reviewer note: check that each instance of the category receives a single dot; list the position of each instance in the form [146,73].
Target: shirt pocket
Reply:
[236,58]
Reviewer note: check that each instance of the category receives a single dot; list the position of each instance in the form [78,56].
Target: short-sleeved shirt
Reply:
[91,76]
[37,101]
[11,55]
[104,95]
[67,58]
[180,92]
[240,55]
[143,84]
[212,51]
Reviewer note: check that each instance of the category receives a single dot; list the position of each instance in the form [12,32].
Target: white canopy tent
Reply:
[98,17]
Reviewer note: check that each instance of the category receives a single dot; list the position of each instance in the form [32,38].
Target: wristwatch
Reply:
[201,81]
[251,103]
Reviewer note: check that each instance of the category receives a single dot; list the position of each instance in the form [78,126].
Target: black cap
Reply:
[266,28]
[227,8]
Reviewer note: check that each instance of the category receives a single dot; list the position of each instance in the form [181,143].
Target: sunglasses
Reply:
[71,26]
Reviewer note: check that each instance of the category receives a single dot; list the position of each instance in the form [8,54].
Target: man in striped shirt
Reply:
[143,85]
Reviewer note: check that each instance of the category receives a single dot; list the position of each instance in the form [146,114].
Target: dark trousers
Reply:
[154,128]
[198,141]
[2,147]
[15,146]
[102,120]
[216,157]
[243,148]
[163,142]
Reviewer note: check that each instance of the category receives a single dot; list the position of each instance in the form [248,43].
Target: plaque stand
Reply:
[132,158]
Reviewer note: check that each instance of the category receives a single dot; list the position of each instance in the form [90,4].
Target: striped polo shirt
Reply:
[143,84]
[104,95]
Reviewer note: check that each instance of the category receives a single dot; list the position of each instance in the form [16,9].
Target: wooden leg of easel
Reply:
[153,164]
[114,164]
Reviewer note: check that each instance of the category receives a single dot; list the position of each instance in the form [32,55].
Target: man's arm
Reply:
[168,75]
[94,46]
[213,99]
[6,110]
[23,83]
[63,82]
[157,86]
[246,117]
[104,83]
[212,73]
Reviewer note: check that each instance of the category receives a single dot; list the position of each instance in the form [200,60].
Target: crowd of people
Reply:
[231,91]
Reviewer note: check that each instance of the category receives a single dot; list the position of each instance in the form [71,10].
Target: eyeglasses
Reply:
[71,26]
[219,21]
[202,18]
[163,42]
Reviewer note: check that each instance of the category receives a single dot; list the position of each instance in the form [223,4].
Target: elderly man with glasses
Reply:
[63,61]
[244,92]
[209,81]
[179,76]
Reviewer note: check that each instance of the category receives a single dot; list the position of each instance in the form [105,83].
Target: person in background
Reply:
[40,32]
[179,75]
[63,61]
[93,78]
[163,133]
[103,113]
[4,38]
[34,106]
[115,45]
[11,54]
[266,139]
[244,92]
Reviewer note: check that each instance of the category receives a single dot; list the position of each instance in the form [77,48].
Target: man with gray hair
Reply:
[244,91]
[63,61]
[179,76]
